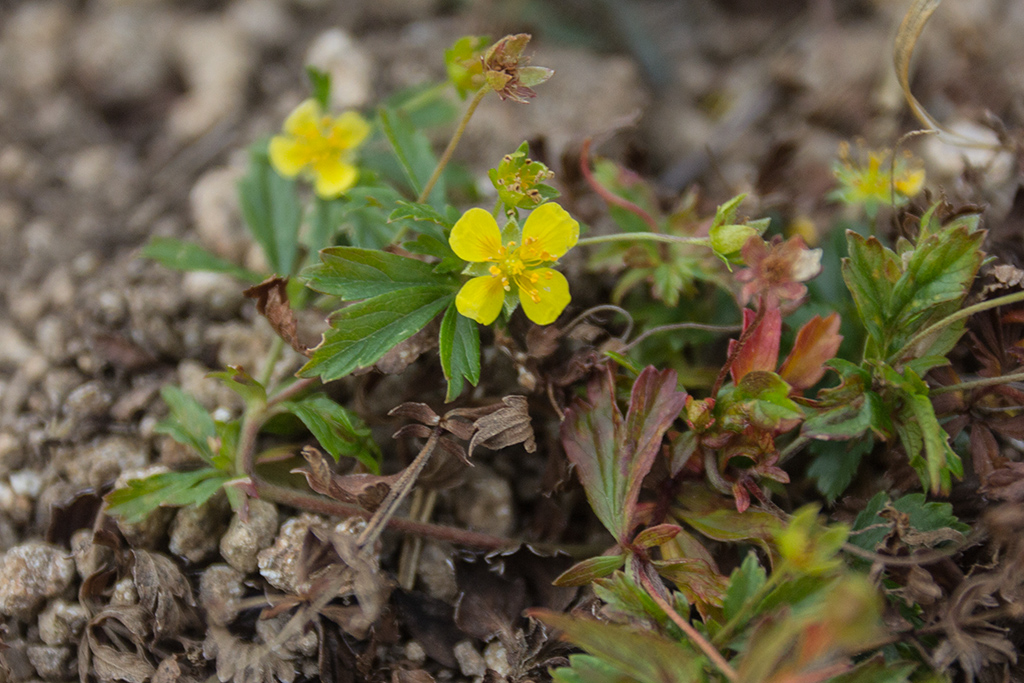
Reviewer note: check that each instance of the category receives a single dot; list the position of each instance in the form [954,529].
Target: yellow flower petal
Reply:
[348,131]
[476,237]
[334,176]
[553,289]
[289,155]
[481,298]
[552,230]
[304,121]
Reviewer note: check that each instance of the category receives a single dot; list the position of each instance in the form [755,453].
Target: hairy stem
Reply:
[959,315]
[686,627]
[452,144]
[679,326]
[979,383]
[642,237]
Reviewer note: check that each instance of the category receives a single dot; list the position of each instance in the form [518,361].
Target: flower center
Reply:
[513,264]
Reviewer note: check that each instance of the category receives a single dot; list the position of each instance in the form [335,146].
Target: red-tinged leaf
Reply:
[612,454]
[582,573]
[816,342]
[637,654]
[716,517]
[656,535]
[697,580]
[761,350]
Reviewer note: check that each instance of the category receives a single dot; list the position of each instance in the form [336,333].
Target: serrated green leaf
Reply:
[352,273]
[870,272]
[188,423]
[744,584]
[422,218]
[339,431]
[270,206]
[185,256]
[361,333]
[940,462]
[134,502]
[459,346]
[428,245]
[869,529]
[835,465]
[412,149]
[242,383]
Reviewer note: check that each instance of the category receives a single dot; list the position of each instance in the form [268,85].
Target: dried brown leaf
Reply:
[271,298]
[164,592]
[505,427]
[114,646]
[365,490]
[243,662]
[1006,483]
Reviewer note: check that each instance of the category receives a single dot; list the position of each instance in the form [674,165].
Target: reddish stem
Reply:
[607,194]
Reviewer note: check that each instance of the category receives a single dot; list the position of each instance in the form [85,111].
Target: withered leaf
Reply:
[505,427]
[271,298]
[1006,483]
[365,490]
[243,662]
[414,676]
[164,592]
[113,648]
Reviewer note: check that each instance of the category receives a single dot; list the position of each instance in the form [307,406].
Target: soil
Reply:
[121,120]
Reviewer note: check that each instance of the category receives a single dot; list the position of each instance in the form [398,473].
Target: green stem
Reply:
[794,447]
[452,144]
[959,315]
[643,237]
[273,355]
[680,326]
[979,383]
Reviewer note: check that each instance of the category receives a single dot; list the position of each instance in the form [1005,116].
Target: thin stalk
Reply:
[959,315]
[452,144]
[679,326]
[794,447]
[273,355]
[979,383]
[609,196]
[686,627]
[642,237]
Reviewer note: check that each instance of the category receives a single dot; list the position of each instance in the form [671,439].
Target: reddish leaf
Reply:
[656,535]
[613,455]
[761,351]
[816,342]
[582,573]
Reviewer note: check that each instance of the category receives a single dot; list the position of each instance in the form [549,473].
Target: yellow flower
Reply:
[881,180]
[548,233]
[320,146]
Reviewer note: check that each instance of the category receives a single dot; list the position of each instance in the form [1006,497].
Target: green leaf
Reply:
[320,81]
[134,502]
[744,585]
[612,455]
[178,255]
[271,209]
[412,149]
[428,245]
[352,273]
[940,461]
[422,218]
[361,333]
[870,272]
[339,431]
[582,573]
[459,343]
[589,669]
[870,528]
[835,465]
[188,423]
[243,384]
[641,655]
[848,410]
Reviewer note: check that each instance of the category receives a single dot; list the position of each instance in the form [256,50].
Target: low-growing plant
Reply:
[353,215]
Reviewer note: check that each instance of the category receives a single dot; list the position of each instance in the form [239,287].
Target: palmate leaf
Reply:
[351,273]
[613,454]
[338,430]
[634,654]
[361,333]
[134,502]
